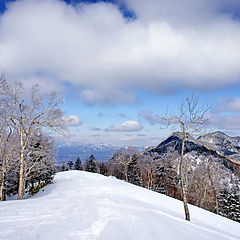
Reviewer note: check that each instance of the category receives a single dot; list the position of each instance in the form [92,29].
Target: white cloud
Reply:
[229,104]
[115,140]
[228,122]
[72,121]
[172,45]
[127,126]
[150,117]
[184,12]
[106,97]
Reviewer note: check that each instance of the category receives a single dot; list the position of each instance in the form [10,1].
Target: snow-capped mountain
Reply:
[217,145]
[87,206]
[229,146]
[101,152]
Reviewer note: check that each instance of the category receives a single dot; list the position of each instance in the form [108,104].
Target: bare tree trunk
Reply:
[126,172]
[21,186]
[214,190]
[204,200]
[182,180]
[2,185]
[150,180]
[4,152]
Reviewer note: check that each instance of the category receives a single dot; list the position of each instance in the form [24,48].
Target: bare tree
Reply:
[125,157]
[209,177]
[191,118]
[7,151]
[124,161]
[210,183]
[2,83]
[26,117]
[147,170]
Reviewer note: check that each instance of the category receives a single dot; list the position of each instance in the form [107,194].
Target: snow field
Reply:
[87,206]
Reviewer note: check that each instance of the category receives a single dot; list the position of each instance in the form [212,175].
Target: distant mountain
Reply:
[101,152]
[217,144]
[228,146]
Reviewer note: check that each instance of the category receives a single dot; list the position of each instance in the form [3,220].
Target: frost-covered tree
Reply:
[63,168]
[78,164]
[26,116]
[147,171]
[124,158]
[3,84]
[133,170]
[8,158]
[39,162]
[102,166]
[229,204]
[91,165]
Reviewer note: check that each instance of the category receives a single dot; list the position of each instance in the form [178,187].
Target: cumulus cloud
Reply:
[150,117]
[171,45]
[228,122]
[106,97]
[72,121]
[229,104]
[184,12]
[127,126]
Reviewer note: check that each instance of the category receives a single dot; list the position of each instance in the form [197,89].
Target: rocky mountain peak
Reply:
[215,144]
[228,146]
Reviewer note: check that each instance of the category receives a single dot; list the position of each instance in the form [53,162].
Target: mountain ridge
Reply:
[102,152]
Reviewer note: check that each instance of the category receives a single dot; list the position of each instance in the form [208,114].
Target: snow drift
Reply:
[81,205]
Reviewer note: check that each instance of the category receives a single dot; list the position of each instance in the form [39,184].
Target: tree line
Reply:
[26,149]
[91,165]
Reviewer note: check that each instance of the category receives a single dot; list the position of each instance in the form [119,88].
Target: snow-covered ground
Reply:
[81,205]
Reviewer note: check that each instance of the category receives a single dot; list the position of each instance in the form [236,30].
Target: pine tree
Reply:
[103,168]
[63,168]
[229,204]
[133,170]
[70,164]
[78,164]
[91,165]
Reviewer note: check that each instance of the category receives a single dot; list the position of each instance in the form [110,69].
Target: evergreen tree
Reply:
[133,170]
[229,204]
[91,165]
[103,168]
[63,168]
[70,164]
[78,164]
[39,162]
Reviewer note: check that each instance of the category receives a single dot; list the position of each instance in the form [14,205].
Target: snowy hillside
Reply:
[81,205]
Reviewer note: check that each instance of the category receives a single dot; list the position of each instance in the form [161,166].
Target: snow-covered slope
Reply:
[81,205]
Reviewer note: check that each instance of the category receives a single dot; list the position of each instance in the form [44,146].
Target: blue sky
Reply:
[120,63]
